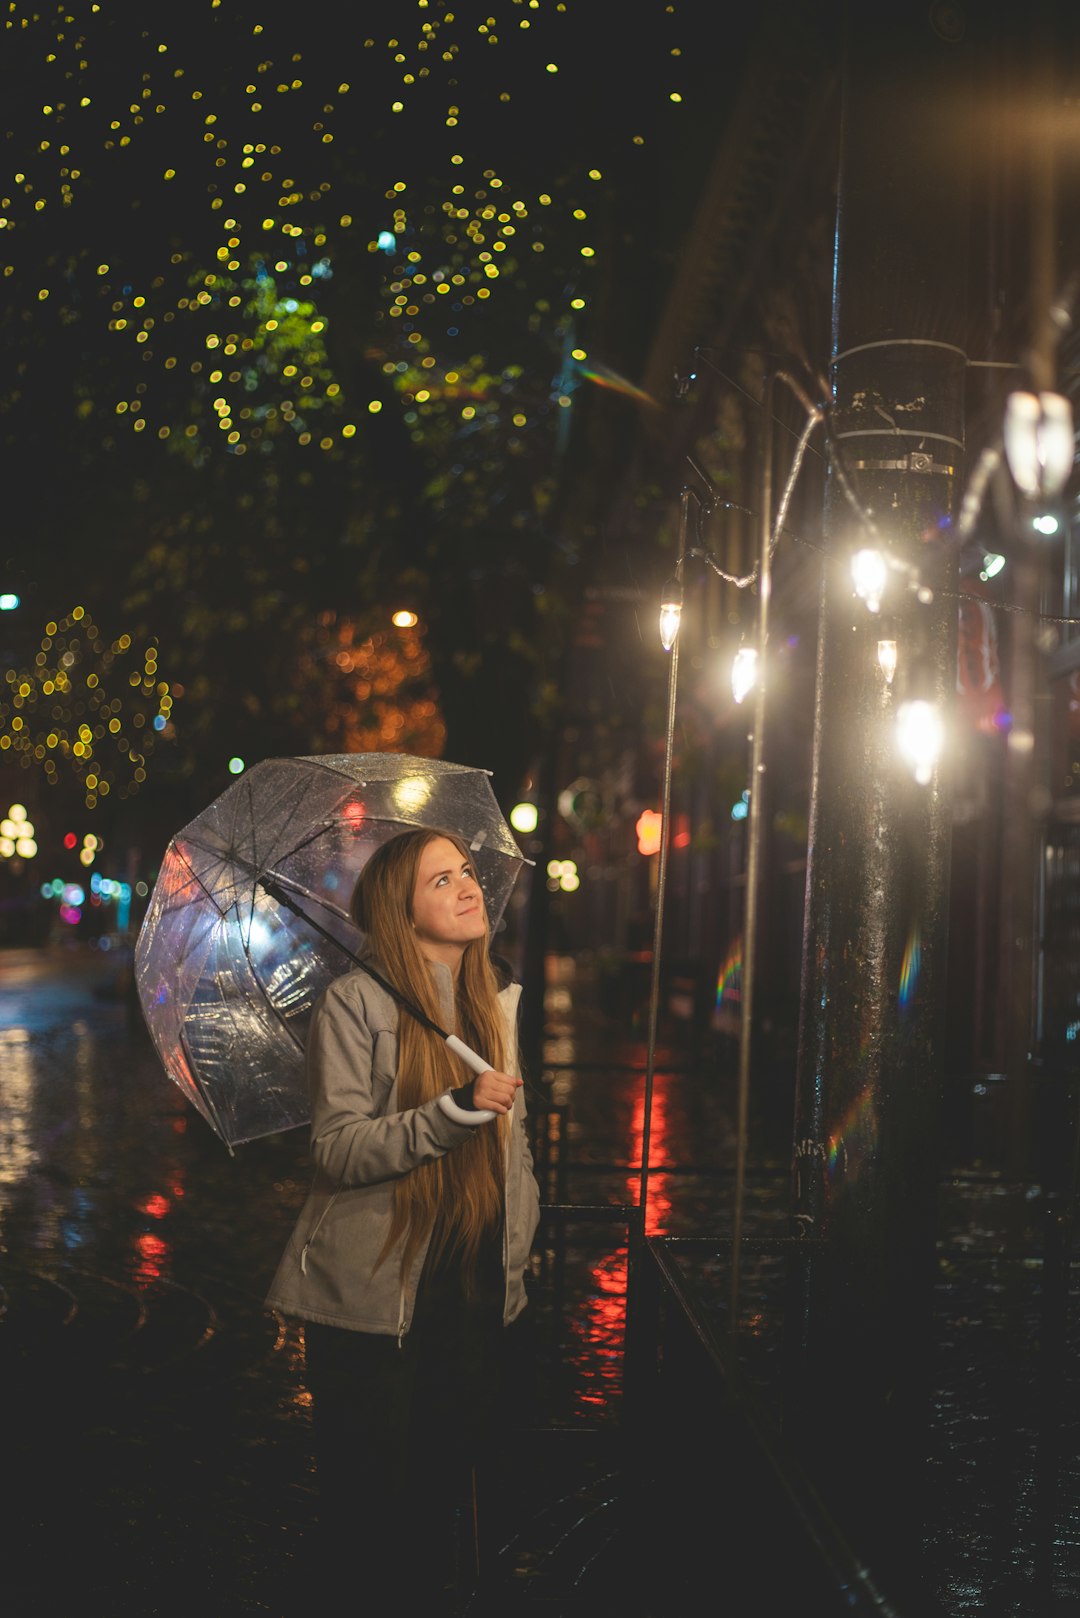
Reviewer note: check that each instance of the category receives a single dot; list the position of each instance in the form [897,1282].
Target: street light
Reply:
[920,734]
[749,674]
[744,672]
[671,603]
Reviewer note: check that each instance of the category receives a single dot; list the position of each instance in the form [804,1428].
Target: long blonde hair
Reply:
[465,1186]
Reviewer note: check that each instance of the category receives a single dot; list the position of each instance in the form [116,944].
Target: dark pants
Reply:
[399,1433]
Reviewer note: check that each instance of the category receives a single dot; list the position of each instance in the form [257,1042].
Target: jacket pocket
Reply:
[331,1199]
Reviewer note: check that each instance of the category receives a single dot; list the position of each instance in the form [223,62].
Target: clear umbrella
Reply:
[248,921]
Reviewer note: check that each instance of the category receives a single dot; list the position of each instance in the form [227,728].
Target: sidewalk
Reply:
[155,1422]
[155,1418]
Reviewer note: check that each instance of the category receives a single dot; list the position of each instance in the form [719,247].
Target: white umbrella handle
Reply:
[478,1065]
[467,1054]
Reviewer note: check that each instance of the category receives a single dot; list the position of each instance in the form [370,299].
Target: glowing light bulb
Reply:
[1039,442]
[744,672]
[920,734]
[670,612]
[869,575]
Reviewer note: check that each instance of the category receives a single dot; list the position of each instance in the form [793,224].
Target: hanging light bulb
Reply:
[670,612]
[1057,443]
[869,574]
[920,734]
[886,656]
[1039,442]
[744,672]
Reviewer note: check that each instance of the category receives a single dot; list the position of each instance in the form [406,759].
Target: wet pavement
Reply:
[155,1416]
[155,1420]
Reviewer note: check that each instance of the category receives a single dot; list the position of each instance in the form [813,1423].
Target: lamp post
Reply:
[753,843]
[769,528]
[670,618]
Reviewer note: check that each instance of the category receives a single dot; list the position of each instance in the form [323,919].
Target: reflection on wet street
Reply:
[156,1420]
[157,1415]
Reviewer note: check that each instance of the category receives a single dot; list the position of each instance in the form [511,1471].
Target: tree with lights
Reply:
[309,321]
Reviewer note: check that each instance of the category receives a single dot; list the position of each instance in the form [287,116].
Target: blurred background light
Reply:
[524,817]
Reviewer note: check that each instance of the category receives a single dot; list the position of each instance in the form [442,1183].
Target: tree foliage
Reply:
[303,326]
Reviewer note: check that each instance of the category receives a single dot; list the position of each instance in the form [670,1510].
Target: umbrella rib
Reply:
[467,1054]
[295,887]
[245,944]
[215,1117]
[276,891]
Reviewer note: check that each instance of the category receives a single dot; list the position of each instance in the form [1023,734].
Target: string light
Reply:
[17,837]
[87,706]
[243,321]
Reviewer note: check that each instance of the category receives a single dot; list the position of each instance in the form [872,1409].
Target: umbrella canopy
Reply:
[248,921]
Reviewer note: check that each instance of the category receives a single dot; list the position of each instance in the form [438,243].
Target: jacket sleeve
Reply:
[352,1142]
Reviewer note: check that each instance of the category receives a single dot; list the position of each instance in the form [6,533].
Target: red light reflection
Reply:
[602,1322]
[657,1196]
[156,1206]
[153,1254]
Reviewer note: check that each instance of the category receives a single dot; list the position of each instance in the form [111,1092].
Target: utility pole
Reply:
[870,1057]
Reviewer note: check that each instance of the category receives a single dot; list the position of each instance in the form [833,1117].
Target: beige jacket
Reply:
[361,1143]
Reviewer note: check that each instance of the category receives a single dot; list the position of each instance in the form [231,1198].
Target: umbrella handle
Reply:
[467,1054]
[478,1065]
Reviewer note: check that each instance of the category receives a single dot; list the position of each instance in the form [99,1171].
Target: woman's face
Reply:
[448,905]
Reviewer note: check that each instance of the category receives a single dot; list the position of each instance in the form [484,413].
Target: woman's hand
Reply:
[494,1091]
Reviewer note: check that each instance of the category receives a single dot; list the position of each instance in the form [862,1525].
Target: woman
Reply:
[407,1261]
